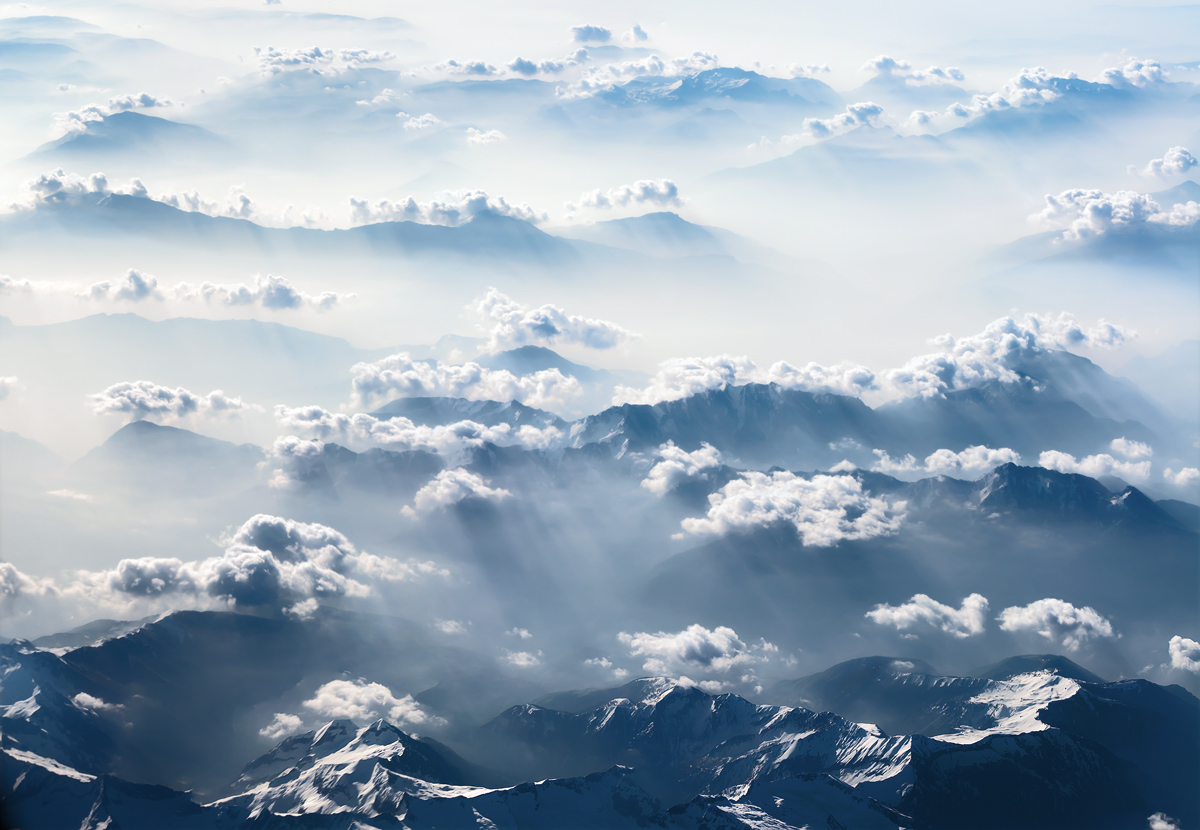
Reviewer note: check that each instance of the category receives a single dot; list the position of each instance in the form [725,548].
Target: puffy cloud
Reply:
[452,208]
[678,466]
[282,726]
[679,378]
[399,434]
[968,362]
[1094,465]
[1135,73]
[1185,653]
[1175,162]
[16,586]
[523,659]
[885,65]
[386,96]
[481,138]
[1131,449]
[808,70]
[7,384]
[823,509]
[141,100]
[143,399]
[1161,821]
[400,376]
[268,562]
[514,324]
[597,78]
[694,649]
[528,68]
[315,59]
[971,462]
[270,292]
[635,35]
[92,703]
[362,702]
[135,287]
[1184,477]
[1087,213]
[78,120]
[1057,620]
[416,123]
[58,187]
[476,68]
[590,34]
[451,487]
[856,115]
[662,192]
[923,611]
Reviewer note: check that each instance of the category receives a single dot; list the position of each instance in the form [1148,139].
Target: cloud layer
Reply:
[513,324]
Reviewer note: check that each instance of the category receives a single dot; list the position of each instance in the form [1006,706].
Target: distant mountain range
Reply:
[132,132]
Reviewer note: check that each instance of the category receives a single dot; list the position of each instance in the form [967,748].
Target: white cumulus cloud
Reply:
[823,509]
[450,487]
[1057,620]
[143,399]
[970,463]
[452,208]
[677,466]
[362,701]
[1088,213]
[1185,653]
[1094,466]
[513,324]
[922,611]
[695,649]
[400,376]
[1175,162]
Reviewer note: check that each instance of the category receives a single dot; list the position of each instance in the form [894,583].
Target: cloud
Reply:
[451,626]
[823,509]
[1094,466]
[135,287]
[679,378]
[416,123]
[270,292]
[1184,477]
[1175,162]
[968,362]
[1057,620]
[590,34]
[268,562]
[143,399]
[635,35]
[315,59]
[1088,213]
[662,192]
[1185,653]
[7,384]
[864,113]
[1161,821]
[399,434]
[1131,449]
[808,70]
[15,586]
[78,120]
[94,704]
[678,466]
[1135,73]
[386,96]
[695,649]
[885,65]
[528,68]
[598,78]
[481,138]
[523,659]
[283,724]
[523,633]
[922,611]
[971,462]
[72,495]
[476,68]
[451,487]
[452,208]
[362,702]
[514,325]
[400,376]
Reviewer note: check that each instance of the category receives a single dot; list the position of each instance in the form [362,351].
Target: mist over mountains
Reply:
[726,418]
